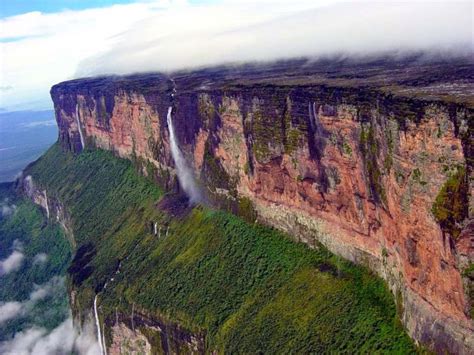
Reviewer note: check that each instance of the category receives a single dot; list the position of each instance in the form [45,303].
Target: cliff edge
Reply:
[374,160]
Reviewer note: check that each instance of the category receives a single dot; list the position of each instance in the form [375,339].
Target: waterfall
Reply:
[185,174]
[79,126]
[97,323]
[103,338]
[311,115]
[316,119]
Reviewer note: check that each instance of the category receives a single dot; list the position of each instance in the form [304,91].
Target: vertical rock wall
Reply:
[353,169]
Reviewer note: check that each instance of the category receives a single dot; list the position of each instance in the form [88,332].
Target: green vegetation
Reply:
[468,273]
[346,148]
[207,110]
[249,287]
[34,236]
[417,176]
[246,210]
[388,161]
[109,204]
[215,174]
[276,132]
[267,134]
[450,207]
[370,151]
[291,140]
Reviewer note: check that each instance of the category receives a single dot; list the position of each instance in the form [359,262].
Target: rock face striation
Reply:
[373,160]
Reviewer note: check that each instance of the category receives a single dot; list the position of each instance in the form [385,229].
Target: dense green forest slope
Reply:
[247,287]
[34,255]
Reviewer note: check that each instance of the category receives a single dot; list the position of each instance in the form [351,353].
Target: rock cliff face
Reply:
[145,335]
[372,162]
[52,208]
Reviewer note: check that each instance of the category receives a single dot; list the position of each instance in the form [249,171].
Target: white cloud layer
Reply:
[39,50]
[14,309]
[10,310]
[7,209]
[12,263]
[40,258]
[193,36]
[64,339]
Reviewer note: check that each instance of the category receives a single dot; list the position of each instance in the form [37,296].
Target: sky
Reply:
[17,7]
[49,41]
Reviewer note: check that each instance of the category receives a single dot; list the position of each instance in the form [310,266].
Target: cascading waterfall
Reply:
[79,126]
[97,324]
[185,174]
[103,338]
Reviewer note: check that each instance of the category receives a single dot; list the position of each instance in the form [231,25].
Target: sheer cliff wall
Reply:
[382,180]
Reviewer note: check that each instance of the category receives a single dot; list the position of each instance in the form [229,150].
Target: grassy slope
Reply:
[29,226]
[249,286]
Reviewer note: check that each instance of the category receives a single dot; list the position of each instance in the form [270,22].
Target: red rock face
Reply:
[360,181]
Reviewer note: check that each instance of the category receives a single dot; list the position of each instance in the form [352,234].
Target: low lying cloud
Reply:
[192,36]
[12,263]
[64,339]
[10,310]
[39,50]
[14,309]
[40,258]
[7,209]
[42,291]
[46,123]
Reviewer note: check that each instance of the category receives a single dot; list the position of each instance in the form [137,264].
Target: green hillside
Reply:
[46,256]
[249,287]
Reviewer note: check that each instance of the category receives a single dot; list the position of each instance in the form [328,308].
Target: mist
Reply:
[64,339]
[183,171]
[192,36]
[13,261]
[167,35]
[15,309]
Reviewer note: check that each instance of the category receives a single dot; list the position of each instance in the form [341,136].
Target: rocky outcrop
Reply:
[52,207]
[140,334]
[381,179]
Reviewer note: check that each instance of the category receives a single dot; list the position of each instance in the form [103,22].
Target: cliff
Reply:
[373,160]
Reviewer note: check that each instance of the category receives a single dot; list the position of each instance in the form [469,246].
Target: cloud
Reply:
[7,209]
[194,36]
[40,258]
[14,261]
[63,339]
[10,310]
[39,50]
[40,292]
[11,263]
[86,341]
[45,123]
[17,245]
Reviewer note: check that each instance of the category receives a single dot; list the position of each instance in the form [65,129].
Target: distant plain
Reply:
[24,136]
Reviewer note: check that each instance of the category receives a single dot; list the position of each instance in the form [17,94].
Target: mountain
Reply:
[368,160]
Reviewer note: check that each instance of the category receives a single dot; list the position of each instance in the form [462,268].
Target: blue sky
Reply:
[16,7]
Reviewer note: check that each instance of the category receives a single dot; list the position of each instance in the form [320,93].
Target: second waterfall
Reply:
[184,172]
